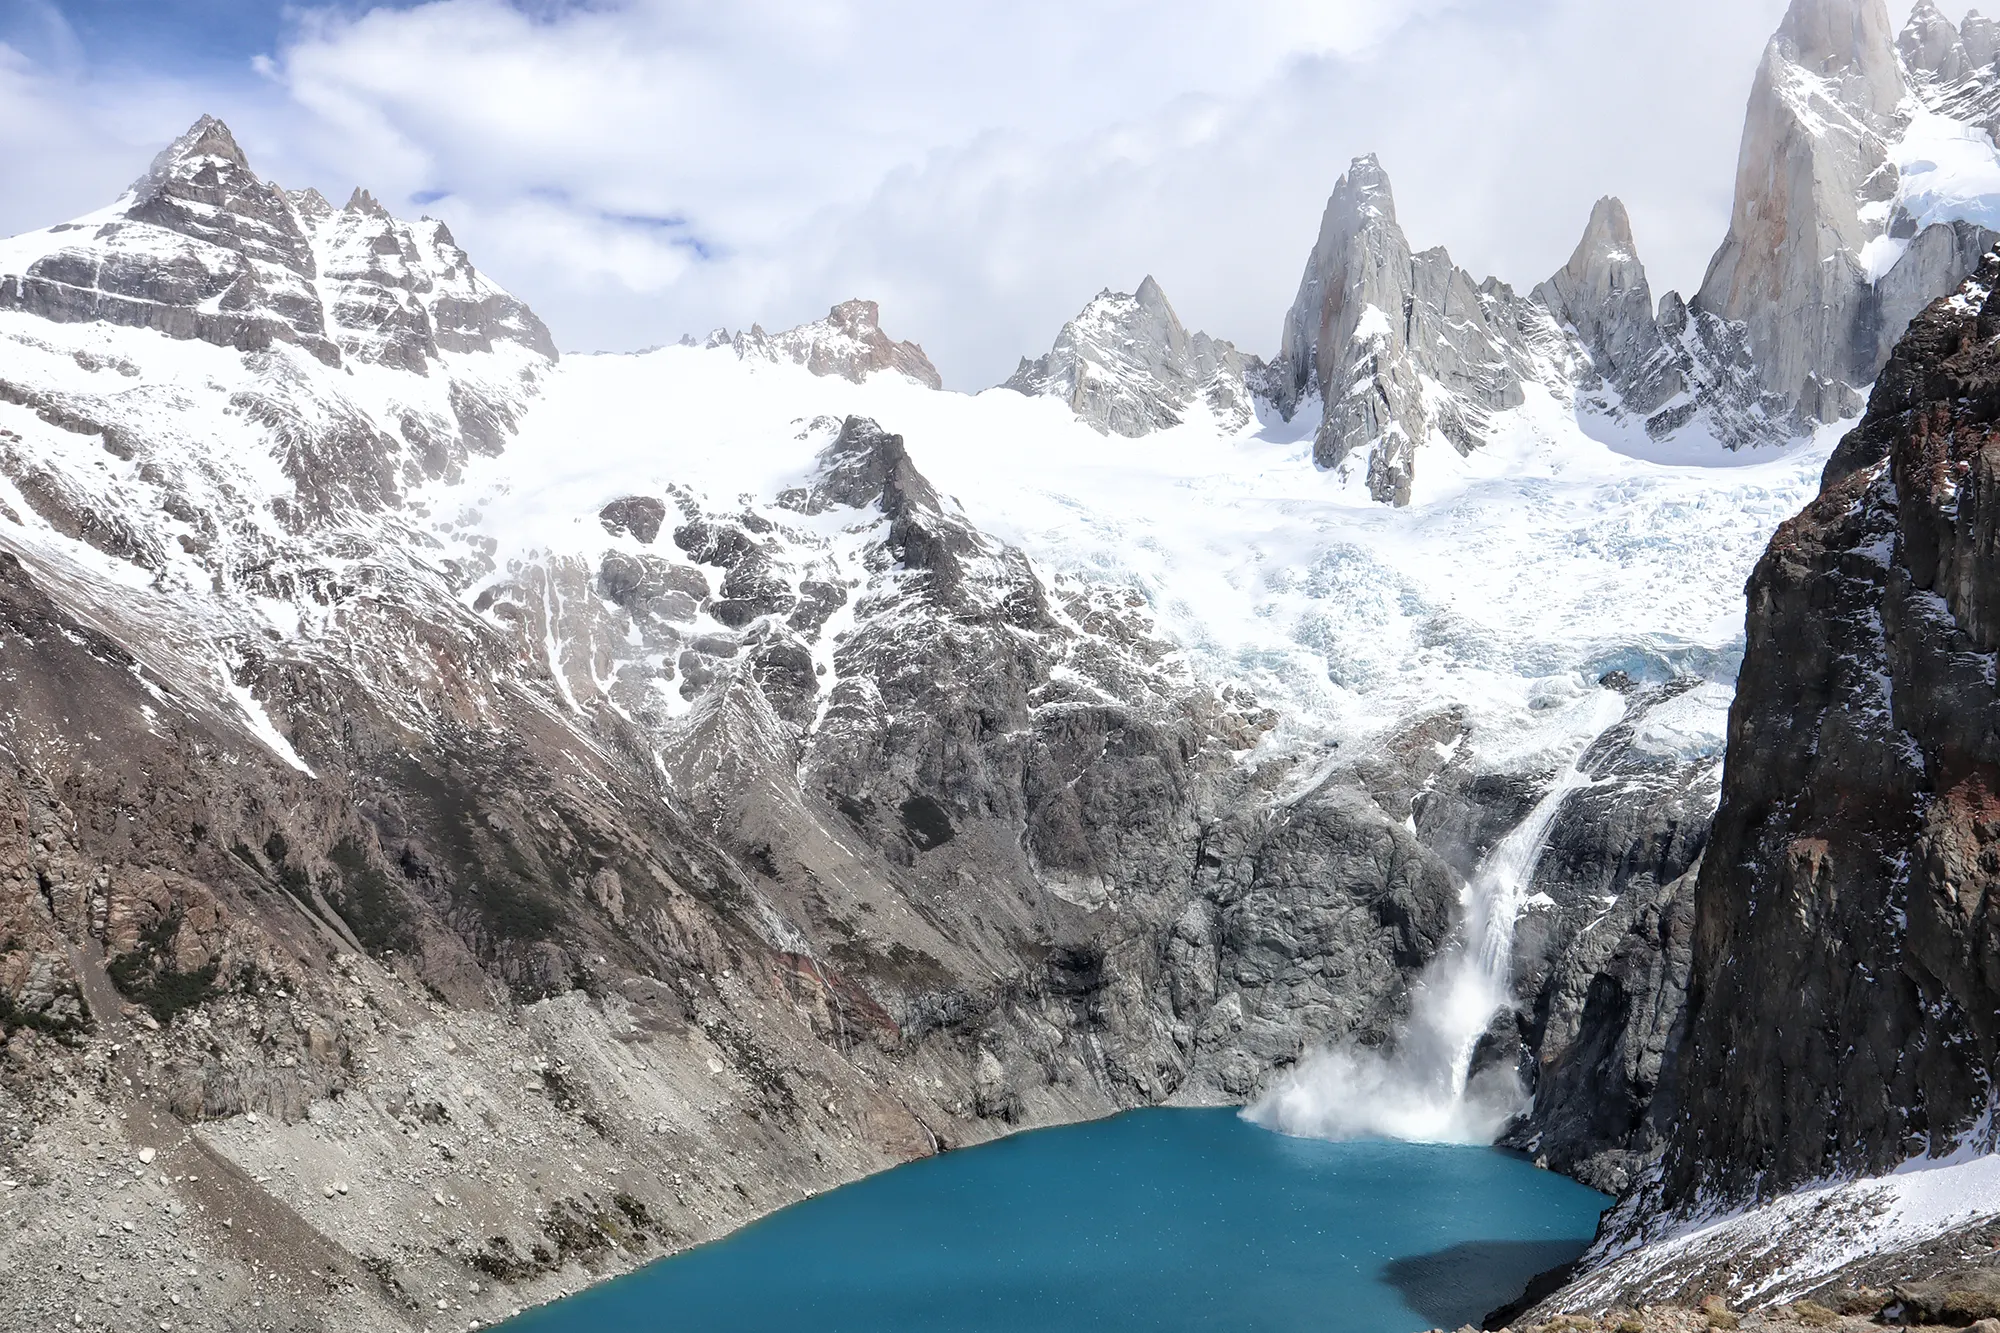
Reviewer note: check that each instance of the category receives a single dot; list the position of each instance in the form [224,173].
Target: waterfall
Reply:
[1423,1090]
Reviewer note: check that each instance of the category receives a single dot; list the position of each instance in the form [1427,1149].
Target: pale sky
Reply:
[639,169]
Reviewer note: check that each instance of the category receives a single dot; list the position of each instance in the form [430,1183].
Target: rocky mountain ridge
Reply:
[1401,349]
[1874,818]
[849,343]
[1127,366]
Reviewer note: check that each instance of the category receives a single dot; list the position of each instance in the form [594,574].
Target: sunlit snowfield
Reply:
[1518,577]
[1159,1220]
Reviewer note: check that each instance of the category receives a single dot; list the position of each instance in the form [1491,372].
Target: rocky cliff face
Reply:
[1836,943]
[848,343]
[1602,958]
[1374,322]
[1843,993]
[1127,366]
[1819,223]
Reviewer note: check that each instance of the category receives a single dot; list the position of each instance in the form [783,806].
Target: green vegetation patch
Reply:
[371,904]
[145,977]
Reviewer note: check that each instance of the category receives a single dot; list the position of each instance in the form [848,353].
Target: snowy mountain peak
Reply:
[1931,47]
[203,251]
[310,203]
[848,344]
[363,202]
[1868,185]
[1362,199]
[206,146]
[1126,365]
[1150,298]
[1850,46]
[200,247]
[1952,69]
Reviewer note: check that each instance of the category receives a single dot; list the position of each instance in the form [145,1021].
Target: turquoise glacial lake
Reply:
[1164,1220]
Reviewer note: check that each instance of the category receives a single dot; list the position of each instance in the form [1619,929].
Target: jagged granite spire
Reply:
[1603,295]
[1931,47]
[1850,45]
[1814,187]
[1823,267]
[1126,365]
[1373,322]
[1357,231]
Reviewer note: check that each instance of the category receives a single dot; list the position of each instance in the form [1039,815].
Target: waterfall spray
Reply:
[1424,1091]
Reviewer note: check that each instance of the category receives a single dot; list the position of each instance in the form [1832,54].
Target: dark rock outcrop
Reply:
[1841,1014]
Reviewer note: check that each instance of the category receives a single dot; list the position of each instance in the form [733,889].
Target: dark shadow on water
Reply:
[1455,1287]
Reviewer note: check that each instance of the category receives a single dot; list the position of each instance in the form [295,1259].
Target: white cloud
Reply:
[641,168]
[63,154]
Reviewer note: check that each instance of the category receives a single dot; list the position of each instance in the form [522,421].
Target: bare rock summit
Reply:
[1127,366]
[848,344]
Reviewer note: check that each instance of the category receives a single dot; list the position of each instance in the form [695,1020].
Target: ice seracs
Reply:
[848,343]
[1128,366]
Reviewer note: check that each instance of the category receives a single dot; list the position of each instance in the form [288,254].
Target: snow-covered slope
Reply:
[1873,1229]
[1514,579]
